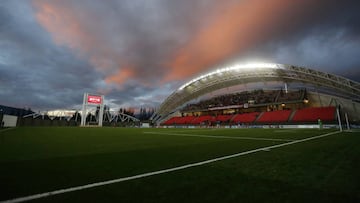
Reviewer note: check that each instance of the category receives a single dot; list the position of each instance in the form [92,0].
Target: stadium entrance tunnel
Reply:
[266,74]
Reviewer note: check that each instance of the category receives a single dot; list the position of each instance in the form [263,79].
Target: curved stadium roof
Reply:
[251,73]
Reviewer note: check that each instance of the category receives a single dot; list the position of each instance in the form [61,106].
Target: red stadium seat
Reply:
[172,120]
[224,118]
[275,116]
[201,119]
[314,113]
[245,118]
[185,120]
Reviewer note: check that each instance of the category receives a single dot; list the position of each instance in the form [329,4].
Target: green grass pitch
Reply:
[37,160]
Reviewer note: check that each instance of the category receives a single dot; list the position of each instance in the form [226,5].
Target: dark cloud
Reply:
[137,52]
[34,72]
[323,35]
[121,35]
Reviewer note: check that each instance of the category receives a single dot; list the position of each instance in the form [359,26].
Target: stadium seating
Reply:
[197,120]
[314,113]
[253,97]
[281,116]
[224,118]
[179,120]
[274,116]
[201,119]
[185,120]
[245,118]
[172,120]
[290,96]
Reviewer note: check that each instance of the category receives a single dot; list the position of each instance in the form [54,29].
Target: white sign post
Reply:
[94,100]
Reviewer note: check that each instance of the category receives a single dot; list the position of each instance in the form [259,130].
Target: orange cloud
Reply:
[231,31]
[63,25]
[227,30]
[121,76]
[68,28]
[83,35]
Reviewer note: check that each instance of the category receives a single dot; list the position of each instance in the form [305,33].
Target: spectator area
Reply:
[281,116]
[275,116]
[203,119]
[252,97]
[245,118]
[185,120]
[224,118]
[315,113]
[172,120]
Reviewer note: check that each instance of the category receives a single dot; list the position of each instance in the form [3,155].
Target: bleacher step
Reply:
[258,117]
[292,115]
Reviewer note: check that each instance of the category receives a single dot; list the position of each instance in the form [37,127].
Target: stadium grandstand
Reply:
[262,95]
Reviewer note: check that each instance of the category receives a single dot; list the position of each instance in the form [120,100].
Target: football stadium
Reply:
[243,133]
[262,94]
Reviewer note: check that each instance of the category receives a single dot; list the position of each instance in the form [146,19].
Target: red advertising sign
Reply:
[92,99]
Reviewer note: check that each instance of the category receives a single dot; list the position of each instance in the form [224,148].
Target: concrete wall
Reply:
[9,121]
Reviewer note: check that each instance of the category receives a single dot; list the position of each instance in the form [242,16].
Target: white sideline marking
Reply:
[61,191]
[220,137]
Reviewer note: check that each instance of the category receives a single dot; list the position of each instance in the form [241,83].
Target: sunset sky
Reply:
[136,52]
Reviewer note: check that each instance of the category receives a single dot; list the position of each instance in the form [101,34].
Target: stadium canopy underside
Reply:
[255,73]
